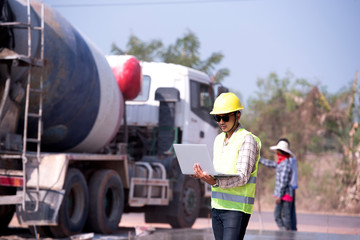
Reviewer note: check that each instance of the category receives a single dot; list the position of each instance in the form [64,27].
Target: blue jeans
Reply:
[283,215]
[229,225]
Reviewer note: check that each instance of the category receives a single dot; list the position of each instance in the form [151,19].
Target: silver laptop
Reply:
[189,154]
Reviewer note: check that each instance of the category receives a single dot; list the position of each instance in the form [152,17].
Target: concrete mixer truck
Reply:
[85,138]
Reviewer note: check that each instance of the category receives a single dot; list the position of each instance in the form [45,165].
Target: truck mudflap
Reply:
[184,207]
[48,208]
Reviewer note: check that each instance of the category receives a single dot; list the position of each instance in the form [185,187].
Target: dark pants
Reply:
[283,215]
[293,215]
[229,225]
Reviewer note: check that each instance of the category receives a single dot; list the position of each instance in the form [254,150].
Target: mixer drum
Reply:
[82,104]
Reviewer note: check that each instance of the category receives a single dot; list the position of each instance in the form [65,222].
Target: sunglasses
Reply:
[225,118]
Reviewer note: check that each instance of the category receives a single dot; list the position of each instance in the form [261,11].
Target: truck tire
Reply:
[185,206]
[6,211]
[106,202]
[74,207]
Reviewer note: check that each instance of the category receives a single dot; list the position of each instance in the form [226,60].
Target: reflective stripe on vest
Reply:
[233,198]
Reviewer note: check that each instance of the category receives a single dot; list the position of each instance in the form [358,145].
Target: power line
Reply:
[144,3]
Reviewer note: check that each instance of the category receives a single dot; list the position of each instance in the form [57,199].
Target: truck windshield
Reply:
[202,99]
[202,96]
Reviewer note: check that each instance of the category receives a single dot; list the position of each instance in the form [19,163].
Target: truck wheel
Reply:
[106,202]
[186,204]
[74,207]
[6,211]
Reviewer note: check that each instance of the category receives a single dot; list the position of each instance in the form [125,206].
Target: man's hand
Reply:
[277,200]
[199,173]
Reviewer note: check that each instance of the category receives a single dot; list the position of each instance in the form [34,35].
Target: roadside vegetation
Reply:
[323,132]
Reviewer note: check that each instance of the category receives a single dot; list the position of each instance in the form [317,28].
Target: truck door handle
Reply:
[202,134]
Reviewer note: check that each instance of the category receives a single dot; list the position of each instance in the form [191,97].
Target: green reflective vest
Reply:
[238,198]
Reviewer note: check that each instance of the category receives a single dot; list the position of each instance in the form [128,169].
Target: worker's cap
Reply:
[283,146]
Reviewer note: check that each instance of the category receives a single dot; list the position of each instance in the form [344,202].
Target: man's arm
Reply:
[245,164]
[268,163]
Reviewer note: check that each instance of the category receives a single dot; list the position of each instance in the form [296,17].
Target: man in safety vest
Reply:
[236,152]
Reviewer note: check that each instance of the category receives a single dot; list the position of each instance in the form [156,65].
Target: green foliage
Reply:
[219,75]
[185,51]
[274,90]
[316,144]
[294,108]
[141,50]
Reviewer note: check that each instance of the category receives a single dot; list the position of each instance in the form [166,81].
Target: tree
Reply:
[343,123]
[185,51]
[274,111]
[141,50]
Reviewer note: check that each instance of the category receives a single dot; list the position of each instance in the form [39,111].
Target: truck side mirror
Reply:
[222,89]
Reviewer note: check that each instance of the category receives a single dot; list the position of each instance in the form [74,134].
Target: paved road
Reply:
[320,223]
[206,234]
[310,227]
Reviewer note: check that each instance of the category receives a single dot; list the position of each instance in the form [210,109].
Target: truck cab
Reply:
[176,97]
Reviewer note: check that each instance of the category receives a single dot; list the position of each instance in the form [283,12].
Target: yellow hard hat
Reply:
[226,103]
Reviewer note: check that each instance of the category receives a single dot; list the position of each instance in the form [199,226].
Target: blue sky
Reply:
[318,40]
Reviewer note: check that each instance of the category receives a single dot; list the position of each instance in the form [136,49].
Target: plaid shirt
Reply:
[283,176]
[246,163]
